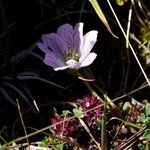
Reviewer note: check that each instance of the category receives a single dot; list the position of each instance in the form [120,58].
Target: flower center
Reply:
[72,55]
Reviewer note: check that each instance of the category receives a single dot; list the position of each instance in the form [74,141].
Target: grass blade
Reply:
[4,92]
[18,91]
[101,15]
[28,77]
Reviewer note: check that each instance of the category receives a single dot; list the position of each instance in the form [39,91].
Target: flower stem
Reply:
[127,123]
[103,129]
[109,101]
[113,107]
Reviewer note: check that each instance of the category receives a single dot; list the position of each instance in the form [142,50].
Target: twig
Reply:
[133,37]
[146,78]
[131,140]
[134,91]
[88,131]
[129,25]
[24,128]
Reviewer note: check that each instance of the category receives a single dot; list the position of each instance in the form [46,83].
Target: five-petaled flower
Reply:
[68,47]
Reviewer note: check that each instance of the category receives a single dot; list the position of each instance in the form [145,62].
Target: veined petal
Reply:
[51,60]
[73,64]
[88,60]
[89,41]
[55,43]
[78,36]
[66,32]
[43,47]
[63,29]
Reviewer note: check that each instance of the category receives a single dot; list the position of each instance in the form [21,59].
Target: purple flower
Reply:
[68,47]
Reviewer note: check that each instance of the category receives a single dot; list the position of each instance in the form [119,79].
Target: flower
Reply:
[67,127]
[91,102]
[68,47]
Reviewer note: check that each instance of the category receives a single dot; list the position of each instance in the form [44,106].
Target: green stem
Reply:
[109,101]
[3,139]
[104,130]
[128,123]
[114,110]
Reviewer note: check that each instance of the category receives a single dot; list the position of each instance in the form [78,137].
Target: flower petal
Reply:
[66,32]
[88,60]
[78,36]
[51,60]
[89,41]
[73,64]
[55,43]
[61,68]
[43,47]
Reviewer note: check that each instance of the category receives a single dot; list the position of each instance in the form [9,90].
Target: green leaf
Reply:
[147,134]
[143,119]
[54,110]
[78,112]
[101,15]
[147,146]
[147,110]
[120,2]
[42,145]
[126,106]
[147,121]
[66,112]
[141,146]
[59,147]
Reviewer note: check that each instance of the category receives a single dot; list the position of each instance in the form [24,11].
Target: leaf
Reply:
[4,92]
[147,134]
[147,121]
[101,15]
[147,110]
[147,146]
[18,91]
[30,77]
[141,146]
[78,112]
[29,73]
[66,112]
[27,90]
[120,2]
[143,119]
[59,147]
[126,106]
[23,54]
